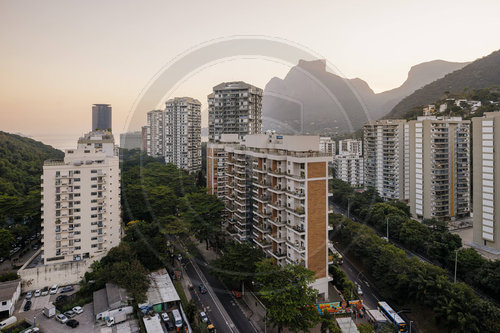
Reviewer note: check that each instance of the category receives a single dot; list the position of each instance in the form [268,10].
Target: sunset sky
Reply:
[60,57]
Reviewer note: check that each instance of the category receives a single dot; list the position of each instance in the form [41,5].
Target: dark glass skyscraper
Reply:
[101,117]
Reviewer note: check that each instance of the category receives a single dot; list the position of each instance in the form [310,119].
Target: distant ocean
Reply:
[59,141]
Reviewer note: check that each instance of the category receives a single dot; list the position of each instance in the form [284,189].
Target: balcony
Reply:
[276,222]
[277,238]
[296,246]
[277,255]
[298,230]
[262,242]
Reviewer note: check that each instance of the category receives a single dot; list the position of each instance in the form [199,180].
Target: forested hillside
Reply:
[21,164]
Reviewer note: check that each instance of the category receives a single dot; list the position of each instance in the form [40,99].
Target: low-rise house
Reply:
[9,294]
[108,299]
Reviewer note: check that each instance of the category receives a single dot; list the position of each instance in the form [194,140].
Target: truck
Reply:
[116,319]
[119,315]
[49,310]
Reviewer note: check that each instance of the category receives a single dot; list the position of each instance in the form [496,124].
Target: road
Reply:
[219,303]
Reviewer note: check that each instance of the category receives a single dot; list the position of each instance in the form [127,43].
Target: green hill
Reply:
[21,164]
[482,73]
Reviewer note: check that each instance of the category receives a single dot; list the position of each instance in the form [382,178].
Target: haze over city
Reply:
[60,57]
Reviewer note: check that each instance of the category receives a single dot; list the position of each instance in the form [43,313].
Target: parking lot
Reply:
[51,325]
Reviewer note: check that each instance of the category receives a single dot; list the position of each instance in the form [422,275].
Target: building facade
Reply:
[101,117]
[486,166]
[327,145]
[439,167]
[386,158]
[349,168]
[234,108]
[217,164]
[351,147]
[182,136]
[155,133]
[81,201]
[277,197]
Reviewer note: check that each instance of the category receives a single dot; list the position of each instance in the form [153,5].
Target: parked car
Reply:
[29,295]
[77,309]
[202,289]
[35,247]
[164,316]
[72,323]
[45,291]
[27,306]
[203,317]
[168,321]
[61,318]
[53,289]
[179,257]
[37,292]
[66,289]
[70,314]
[60,298]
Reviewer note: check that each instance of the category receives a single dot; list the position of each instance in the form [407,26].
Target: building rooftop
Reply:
[8,288]
[347,325]
[152,324]
[100,301]
[116,294]
[161,288]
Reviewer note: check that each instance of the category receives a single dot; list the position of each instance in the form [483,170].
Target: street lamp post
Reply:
[456,257]
[411,321]
[387,222]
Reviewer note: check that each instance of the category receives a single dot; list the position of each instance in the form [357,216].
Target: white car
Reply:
[53,289]
[360,291]
[203,317]
[61,318]
[77,309]
[29,295]
[164,316]
[37,292]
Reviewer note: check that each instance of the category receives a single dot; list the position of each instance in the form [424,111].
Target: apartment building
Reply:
[81,201]
[155,136]
[327,145]
[131,140]
[234,108]
[386,158]
[486,181]
[217,164]
[182,136]
[277,196]
[439,167]
[351,147]
[349,168]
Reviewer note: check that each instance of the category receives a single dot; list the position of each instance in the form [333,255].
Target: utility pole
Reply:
[411,321]
[348,206]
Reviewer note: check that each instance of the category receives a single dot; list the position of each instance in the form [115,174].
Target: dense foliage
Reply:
[408,280]
[237,264]
[430,239]
[21,165]
[287,295]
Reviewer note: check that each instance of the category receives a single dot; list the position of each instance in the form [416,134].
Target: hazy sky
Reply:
[60,57]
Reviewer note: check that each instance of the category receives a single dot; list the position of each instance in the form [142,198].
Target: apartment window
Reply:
[93,171]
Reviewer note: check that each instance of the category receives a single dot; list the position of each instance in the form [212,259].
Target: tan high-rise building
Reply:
[486,181]
[217,164]
[234,108]
[386,158]
[81,201]
[277,196]
[155,143]
[439,167]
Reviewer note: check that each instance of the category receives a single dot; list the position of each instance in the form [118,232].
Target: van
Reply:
[177,318]
[7,322]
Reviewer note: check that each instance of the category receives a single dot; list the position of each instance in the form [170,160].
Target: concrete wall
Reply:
[59,273]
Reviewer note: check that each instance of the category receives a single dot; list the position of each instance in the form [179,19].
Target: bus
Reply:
[393,317]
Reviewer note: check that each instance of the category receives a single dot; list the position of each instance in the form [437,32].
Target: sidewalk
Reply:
[249,304]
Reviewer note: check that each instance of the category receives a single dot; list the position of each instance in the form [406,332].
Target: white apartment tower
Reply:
[351,147]
[349,168]
[486,181]
[155,144]
[234,108]
[386,158]
[81,201]
[182,137]
[439,167]
[327,145]
[277,196]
